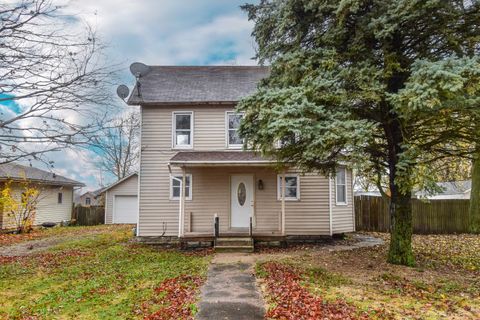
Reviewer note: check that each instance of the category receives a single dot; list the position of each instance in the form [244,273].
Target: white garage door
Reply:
[125,209]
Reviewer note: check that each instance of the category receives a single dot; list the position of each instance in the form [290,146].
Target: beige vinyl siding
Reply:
[309,215]
[343,215]
[157,212]
[128,187]
[211,185]
[48,209]
[210,130]
[211,195]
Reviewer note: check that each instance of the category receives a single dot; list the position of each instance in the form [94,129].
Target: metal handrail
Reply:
[250,230]
[216,226]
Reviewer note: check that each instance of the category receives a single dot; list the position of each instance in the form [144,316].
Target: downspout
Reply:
[179,202]
[137,231]
[330,213]
[182,199]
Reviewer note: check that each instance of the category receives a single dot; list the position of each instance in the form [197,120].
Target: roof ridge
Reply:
[208,66]
[42,173]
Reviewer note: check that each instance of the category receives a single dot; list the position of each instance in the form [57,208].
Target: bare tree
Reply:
[51,76]
[117,144]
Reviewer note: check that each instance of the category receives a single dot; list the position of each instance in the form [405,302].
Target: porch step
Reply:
[234,244]
[234,249]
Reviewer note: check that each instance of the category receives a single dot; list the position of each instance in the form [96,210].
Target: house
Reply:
[193,167]
[449,190]
[121,201]
[55,201]
[91,198]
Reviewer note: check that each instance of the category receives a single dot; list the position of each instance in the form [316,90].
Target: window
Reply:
[233,123]
[288,140]
[60,197]
[87,201]
[292,187]
[341,186]
[175,188]
[182,130]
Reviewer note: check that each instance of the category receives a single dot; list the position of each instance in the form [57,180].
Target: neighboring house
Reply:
[450,190]
[56,193]
[370,193]
[121,201]
[190,133]
[92,198]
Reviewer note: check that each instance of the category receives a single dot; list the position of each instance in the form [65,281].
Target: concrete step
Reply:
[234,242]
[234,248]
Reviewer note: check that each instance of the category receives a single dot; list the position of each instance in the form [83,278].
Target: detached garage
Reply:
[121,201]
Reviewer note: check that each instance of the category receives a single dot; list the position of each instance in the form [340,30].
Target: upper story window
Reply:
[60,197]
[341,186]
[288,140]
[233,123]
[183,130]
[87,201]
[292,187]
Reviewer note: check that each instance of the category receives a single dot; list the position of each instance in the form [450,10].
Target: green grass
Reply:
[97,277]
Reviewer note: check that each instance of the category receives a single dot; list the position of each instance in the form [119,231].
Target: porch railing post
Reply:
[250,230]
[216,226]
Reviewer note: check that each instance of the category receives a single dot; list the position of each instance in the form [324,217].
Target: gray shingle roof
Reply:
[197,84]
[212,157]
[18,172]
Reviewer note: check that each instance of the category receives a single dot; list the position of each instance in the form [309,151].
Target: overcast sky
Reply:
[159,32]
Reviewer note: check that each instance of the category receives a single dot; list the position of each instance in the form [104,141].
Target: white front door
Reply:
[241,200]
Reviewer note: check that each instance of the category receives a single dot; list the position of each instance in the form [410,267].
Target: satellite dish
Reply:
[139,69]
[123,91]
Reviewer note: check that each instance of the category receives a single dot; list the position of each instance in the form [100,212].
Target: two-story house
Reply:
[193,167]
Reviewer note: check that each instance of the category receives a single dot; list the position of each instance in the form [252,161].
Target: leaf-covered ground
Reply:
[359,283]
[40,233]
[100,277]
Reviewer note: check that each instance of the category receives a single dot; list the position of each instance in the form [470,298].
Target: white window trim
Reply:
[89,200]
[227,129]
[279,144]
[174,130]
[339,203]
[188,175]
[279,191]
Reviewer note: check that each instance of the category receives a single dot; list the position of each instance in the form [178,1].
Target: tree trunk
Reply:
[474,222]
[401,229]
[400,251]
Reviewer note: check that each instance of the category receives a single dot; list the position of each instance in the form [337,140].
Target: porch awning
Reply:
[219,158]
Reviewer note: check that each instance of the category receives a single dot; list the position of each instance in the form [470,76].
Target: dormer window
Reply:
[234,141]
[182,130]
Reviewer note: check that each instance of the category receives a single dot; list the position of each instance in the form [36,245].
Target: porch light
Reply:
[260,184]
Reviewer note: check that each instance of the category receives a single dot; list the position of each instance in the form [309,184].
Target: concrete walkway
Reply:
[231,293]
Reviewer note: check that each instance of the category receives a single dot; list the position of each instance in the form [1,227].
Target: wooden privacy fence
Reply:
[429,217]
[89,216]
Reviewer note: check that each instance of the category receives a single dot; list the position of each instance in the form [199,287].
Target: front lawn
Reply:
[100,276]
[359,283]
